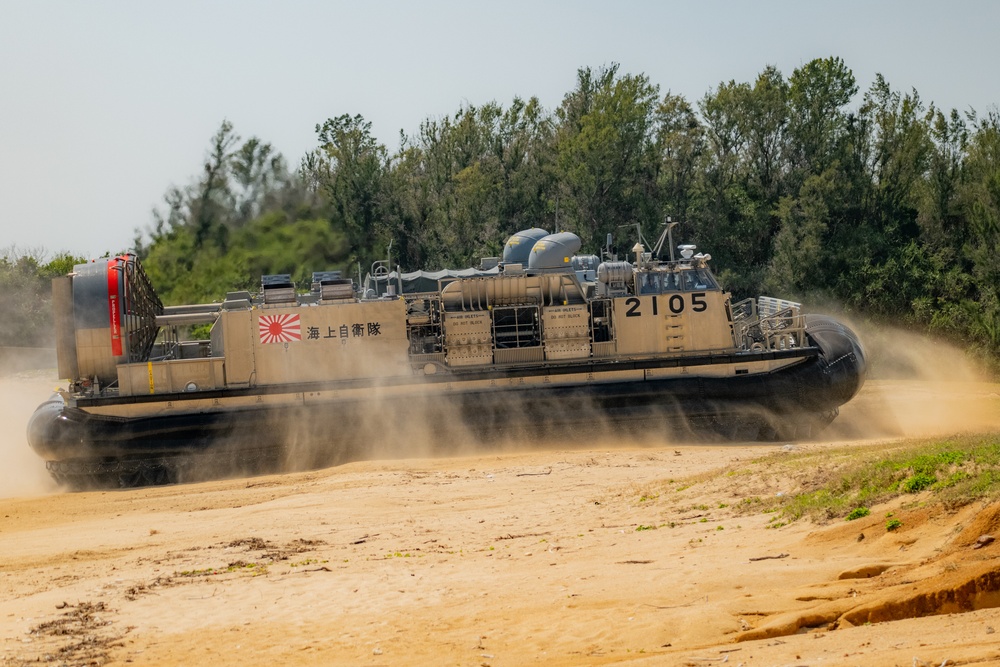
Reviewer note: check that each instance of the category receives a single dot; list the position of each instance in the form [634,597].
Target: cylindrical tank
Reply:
[586,266]
[518,246]
[554,251]
[614,272]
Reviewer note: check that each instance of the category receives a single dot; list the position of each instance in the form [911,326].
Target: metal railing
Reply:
[768,324]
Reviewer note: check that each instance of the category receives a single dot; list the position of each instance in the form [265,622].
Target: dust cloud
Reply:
[388,422]
[21,471]
[424,424]
[918,387]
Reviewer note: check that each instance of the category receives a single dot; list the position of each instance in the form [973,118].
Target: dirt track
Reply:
[580,553]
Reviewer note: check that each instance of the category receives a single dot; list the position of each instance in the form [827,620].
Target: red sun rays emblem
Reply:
[279,328]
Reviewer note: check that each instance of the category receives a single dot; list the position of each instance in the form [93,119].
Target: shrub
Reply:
[918,482]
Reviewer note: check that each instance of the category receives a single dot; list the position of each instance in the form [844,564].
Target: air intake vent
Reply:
[331,287]
[278,288]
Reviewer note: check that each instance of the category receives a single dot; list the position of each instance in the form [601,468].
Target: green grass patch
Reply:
[857,513]
[956,471]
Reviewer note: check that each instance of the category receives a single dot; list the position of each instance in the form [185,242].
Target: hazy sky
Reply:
[104,105]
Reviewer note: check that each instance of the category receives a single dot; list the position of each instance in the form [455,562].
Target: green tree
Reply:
[765,126]
[726,220]
[26,295]
[232,224]
[680,144]
[212,201]
[466,182]
[979,197]
[886,257]
[349,166]
[799,244]
[818,95]
[607,161]
[940,217]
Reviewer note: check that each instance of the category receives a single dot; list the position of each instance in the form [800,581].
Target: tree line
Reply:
[26,295]
[799,186]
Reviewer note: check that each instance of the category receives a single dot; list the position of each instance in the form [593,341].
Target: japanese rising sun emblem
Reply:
[280,328]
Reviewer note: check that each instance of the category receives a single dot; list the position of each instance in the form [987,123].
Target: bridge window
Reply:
[650,283]
[694,280]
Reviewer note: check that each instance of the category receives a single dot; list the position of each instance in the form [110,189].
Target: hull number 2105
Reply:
[675,303]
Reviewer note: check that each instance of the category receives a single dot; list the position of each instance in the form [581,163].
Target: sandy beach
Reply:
[563,553]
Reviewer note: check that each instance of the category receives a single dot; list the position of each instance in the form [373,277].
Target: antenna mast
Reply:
[667,236]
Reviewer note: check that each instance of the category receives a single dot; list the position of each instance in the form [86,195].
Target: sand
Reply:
[576,553]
